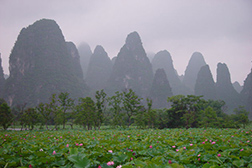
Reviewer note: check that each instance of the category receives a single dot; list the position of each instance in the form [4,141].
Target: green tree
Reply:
[85,112]
[227,121]
[185,110]
[18,111]
[193,107]
[39,108]
[131,104]
[223,120]
[115,102]
[100,107]
[218,106]
[151,114]
[45,114]
[208,118]
[140,118]
[6,116]
[65,105]
[30,118]
[176,111]
[162,119]
[241,116]
[52,111]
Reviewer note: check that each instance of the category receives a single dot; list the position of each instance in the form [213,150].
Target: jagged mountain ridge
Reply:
[237,86]
[246,94]
[99,69]
[2,79]
[132,69]
[195,63]
[41,65]
[160,89]
[163,60]
[135,75]
[224,88]
[205,85]
[72,50]
[85,54]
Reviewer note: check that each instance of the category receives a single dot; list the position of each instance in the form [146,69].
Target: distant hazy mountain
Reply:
[246,94]
[40,65]
[237,86]
[6,76]
[76,59]
[163,60]
[224,88]
[85,54]
[181,77]
[192,70]
[205,85]
[150,55]
[99,69]
[2,79]
[113,60]
[160,90]
[132,68]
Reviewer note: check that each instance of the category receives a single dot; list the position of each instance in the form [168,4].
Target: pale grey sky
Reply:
[220,29]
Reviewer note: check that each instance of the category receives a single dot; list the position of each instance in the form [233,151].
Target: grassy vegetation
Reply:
[127,148]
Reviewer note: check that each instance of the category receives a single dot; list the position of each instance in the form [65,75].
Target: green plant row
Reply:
[124,109]
[127,148]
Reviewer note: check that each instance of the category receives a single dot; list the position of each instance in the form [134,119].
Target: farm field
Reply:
[127,148]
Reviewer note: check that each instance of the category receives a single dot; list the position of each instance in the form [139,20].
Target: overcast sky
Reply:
[220,29]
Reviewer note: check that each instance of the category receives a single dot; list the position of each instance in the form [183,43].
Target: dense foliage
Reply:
[6,116]
[187,146]
[124,109]
[127,148]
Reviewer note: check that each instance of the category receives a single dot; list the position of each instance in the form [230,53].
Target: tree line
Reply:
[123,109]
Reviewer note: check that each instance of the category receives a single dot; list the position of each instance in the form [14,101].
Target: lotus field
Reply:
[127,148]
